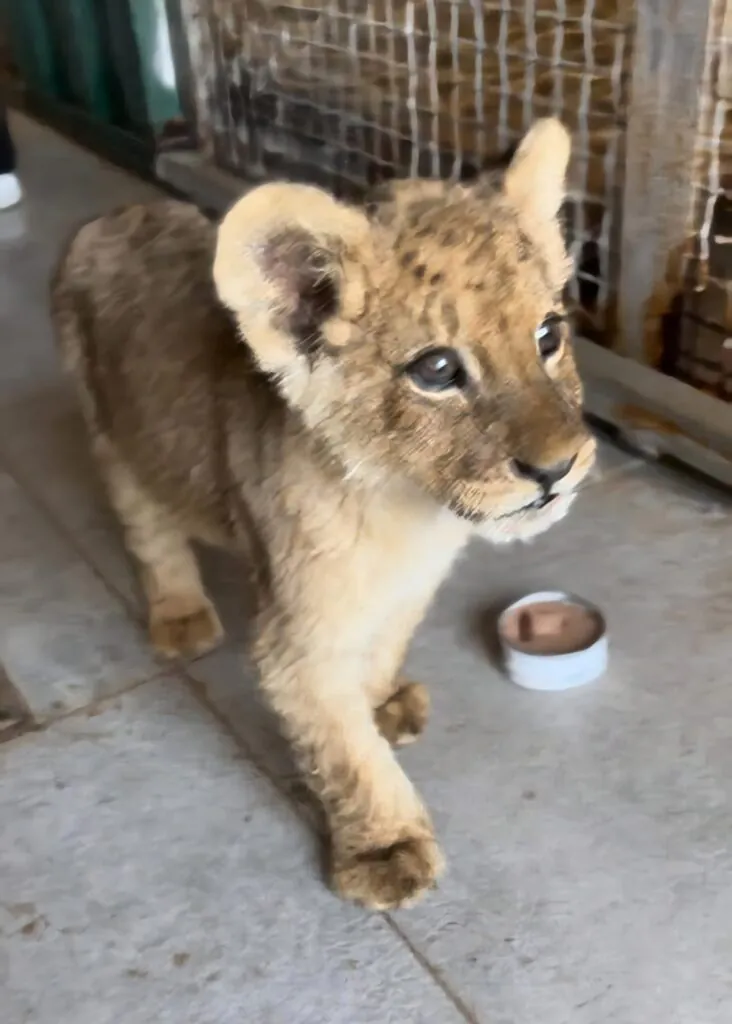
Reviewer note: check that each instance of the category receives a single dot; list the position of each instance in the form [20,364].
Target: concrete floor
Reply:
[157,863]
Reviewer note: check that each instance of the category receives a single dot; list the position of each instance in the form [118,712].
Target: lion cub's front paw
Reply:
[403,717]
[383,878]
[183,627]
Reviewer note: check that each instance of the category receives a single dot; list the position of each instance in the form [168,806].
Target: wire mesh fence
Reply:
[348,92]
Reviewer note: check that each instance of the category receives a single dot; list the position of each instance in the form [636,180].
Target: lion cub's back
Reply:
[142,333]
[134,304]
[147,263]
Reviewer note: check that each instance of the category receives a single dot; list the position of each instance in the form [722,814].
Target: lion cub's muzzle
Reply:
[558,478]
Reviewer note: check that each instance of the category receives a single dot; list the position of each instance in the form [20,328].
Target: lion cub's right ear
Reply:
[282,267]
[535,178]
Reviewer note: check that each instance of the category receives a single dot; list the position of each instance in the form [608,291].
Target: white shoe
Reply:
[10,191]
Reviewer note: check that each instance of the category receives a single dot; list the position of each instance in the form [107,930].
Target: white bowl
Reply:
[553,671]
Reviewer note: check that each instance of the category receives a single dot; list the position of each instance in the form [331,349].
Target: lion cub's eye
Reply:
[549,336]
[438,370]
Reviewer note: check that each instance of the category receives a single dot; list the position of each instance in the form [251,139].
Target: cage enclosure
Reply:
[348,92]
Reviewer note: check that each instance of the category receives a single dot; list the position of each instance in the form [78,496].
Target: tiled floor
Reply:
[156,863]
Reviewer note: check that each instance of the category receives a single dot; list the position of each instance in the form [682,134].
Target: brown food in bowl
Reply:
[552,627]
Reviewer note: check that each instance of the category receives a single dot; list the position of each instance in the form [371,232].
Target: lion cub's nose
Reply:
[545,476]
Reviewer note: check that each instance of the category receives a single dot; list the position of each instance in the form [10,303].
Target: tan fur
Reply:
[279,421]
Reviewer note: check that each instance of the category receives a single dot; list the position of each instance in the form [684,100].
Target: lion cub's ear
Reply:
[535,179]
[281,263]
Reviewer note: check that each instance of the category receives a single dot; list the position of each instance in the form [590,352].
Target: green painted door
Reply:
[108,59]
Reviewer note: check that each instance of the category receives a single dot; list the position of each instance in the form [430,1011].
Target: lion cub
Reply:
[346,396]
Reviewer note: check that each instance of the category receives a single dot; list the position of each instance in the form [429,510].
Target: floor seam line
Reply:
[433,971]
[94,707]
[198,689]
[65,533]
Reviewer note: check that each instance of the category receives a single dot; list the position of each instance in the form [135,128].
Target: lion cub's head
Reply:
[426,338]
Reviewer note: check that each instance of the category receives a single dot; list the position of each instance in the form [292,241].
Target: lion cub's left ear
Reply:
[536,177]
[284,266]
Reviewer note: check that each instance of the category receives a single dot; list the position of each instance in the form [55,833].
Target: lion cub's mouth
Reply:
[532,509]
[538,504]
[542,502]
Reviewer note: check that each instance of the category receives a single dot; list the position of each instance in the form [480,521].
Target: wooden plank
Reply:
[658,415]
[663,120]
[692,412]
[15,718]
[205,184]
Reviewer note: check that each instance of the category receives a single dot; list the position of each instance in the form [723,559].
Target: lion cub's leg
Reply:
[403,717]
[383,850]
[401,707]
[182,621]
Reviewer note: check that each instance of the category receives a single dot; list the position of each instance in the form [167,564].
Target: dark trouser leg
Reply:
[7,149]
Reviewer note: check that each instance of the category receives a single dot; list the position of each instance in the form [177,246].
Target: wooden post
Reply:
[663,121]
[193,54]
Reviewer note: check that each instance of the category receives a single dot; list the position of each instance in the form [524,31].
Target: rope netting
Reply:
[348,92]
[704,351]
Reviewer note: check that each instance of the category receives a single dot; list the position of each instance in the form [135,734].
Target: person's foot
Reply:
[10,191]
